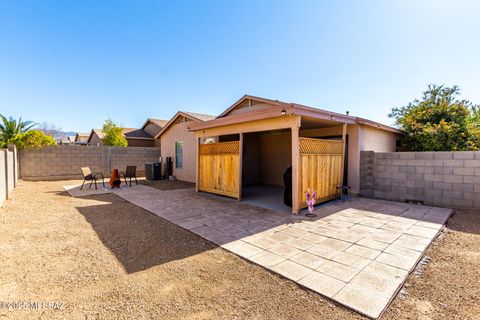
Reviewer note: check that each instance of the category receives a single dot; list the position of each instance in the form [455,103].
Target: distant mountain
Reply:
[69,133]
[58,134]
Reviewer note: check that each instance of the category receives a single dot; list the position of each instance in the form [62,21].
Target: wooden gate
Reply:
[320,168]
[219,168]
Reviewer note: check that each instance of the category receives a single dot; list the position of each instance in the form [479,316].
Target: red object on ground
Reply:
[115,179]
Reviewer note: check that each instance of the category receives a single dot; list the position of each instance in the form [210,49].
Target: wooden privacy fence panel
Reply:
[320,146]
[320,168]
[219,167]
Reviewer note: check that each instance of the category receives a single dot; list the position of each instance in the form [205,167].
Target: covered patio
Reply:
[259,142]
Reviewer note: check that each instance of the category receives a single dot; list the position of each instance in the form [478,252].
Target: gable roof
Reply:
[98,132]
[285,108]
[158,122]
[200,116]
[196,117]
[136,134]
[128,133]
[247,97]
[79,135]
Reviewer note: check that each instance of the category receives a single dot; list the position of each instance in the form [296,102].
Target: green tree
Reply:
[112,135]
[9,128]
[32,139]
[439,122]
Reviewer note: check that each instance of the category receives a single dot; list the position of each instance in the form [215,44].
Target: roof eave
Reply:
[138,138]
[246,96]
[276,111]
[172,120]
[244,117]
[379,125]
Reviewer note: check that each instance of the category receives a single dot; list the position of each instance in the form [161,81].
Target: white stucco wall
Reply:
[378,140]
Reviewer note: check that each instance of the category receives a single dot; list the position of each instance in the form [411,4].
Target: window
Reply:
[178,154]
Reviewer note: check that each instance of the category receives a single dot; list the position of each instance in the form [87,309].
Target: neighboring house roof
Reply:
[159,122]
[200,116]
[275,107]
[98,132]
[196,117]
[128,133]
[81,135]
[136,134]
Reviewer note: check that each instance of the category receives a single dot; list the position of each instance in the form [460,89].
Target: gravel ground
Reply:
[105,258]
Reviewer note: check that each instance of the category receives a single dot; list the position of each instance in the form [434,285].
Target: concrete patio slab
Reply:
[322,283]
[291,270]
[308,260]
[267,259]
[338,270]
[74,190]
[358,253]
[362,301]
[363,251]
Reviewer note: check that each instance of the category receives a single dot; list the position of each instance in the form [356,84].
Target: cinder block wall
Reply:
[367,173]
[449,179]
[3,178]
[8,174]
[64,162]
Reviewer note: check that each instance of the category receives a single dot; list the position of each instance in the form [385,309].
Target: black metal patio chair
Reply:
[130,172]
[92,177]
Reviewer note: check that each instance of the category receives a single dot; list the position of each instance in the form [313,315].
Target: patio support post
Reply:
[295,168]
[344,141]
[240,166]
[197,164]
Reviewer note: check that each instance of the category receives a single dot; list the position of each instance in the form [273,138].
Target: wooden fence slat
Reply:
[320,168]
[219,169]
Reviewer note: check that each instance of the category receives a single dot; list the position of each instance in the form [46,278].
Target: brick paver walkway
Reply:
[357,253]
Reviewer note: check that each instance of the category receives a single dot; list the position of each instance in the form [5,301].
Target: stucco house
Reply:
[178,142]
[135,137]
[256,140]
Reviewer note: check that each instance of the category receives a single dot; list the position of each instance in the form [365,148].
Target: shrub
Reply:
[439,122]
[32,139]
[112,135]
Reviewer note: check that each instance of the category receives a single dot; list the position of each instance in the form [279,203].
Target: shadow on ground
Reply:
[139,239]
[466,220]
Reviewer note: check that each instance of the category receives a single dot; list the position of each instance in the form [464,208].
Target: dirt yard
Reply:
[104,258]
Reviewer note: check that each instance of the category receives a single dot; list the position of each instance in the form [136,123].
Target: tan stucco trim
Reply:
[275,111]
[291,108]
[249,97]
[280,122]
[378,125]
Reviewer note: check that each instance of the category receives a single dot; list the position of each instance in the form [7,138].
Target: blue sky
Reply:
[75,63]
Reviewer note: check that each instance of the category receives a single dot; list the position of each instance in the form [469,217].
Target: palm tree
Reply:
[9,128]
